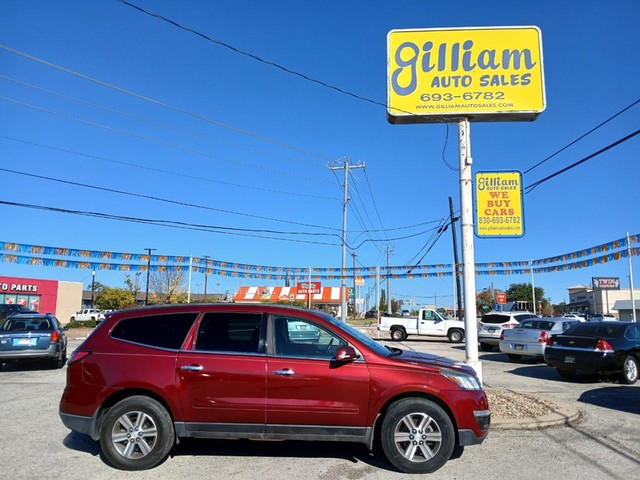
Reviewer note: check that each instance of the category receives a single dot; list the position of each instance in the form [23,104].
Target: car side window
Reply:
[633,332]
[229,332]
[163,331]
[428,315]
[295,337]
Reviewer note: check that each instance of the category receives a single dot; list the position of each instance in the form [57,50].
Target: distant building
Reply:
[62,299]
[585,299]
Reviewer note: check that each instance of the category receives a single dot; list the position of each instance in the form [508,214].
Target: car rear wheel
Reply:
[566,372]
[485,347]
[417,435]
[398,334]
[59,361]
[137,434]
[630,370]
[456,336]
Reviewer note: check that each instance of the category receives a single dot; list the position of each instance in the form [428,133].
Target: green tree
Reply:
[522,292]
[484,302]
[114,298]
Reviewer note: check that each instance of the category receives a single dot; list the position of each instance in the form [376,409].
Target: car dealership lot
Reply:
[603,442]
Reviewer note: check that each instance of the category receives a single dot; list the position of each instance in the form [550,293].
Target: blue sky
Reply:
[251,143]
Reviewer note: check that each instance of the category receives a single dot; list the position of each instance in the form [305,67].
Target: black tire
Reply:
[514,357]
[154,439]
[485,347]
[59,361]
[566,372]
[456,335]
[432,438]
[72,319]
[629,371]
[398,334]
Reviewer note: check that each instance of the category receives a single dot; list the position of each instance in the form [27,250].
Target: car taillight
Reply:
[77,355]
[502,335]
[511,325]
[55,336]
[603,346]
[549,341]
[544,338]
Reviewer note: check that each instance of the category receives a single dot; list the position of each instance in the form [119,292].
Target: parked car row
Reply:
[568,344]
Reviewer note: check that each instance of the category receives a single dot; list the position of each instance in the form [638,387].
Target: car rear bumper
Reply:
[85,425]
[522,348]
[588,361]
[17,355]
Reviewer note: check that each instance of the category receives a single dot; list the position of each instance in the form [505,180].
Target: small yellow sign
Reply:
[499,206]
[484,74]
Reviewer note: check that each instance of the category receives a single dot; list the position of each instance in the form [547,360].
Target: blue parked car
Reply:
[33,337]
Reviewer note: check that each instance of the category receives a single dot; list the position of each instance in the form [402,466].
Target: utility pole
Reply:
[355,297]
[455,257]
[206,275]
[389,250]
[149,250]
[343,286]
[93,288]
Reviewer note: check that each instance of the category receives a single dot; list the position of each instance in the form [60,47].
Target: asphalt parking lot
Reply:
[603,443]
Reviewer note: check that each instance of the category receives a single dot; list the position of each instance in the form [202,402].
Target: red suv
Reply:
[148,376]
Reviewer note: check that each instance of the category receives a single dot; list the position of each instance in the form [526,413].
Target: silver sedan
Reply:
[529,337]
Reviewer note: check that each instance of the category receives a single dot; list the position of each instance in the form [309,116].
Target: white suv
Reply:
[492,324]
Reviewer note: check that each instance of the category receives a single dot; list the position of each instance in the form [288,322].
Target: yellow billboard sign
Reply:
[484,74]
[499,206]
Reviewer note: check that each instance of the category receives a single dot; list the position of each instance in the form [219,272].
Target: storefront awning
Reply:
[327,295]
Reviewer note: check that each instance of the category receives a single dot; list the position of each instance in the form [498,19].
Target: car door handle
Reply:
[191,368]
[285,371]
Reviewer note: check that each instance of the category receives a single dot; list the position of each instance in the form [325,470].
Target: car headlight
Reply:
[463,380]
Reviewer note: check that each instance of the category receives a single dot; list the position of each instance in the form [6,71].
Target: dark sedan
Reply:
[602,348]
[33,337]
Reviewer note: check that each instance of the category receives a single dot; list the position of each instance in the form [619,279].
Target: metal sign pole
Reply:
[468,260]
[633,300]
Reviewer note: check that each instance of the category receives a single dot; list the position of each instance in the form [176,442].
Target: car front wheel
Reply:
[137,434]
[417,435]
[630,370]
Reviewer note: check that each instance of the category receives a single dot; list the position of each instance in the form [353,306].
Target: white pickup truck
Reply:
[87,314]
[428,322]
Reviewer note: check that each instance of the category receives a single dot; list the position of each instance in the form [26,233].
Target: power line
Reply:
[245,232]
[159,199]
[168,106]
[150,121]
[166,172]
[252,56]
[529,188]
[164,143]
[584,135]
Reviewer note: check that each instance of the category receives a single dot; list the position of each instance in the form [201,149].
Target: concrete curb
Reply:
[563,414]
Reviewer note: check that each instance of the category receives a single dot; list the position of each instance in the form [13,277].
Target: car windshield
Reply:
[361,337]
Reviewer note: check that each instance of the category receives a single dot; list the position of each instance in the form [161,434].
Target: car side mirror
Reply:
[346,354]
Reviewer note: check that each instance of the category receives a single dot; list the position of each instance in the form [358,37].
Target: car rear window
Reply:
[597,329]
[494,318]
[163,331]
[537,324]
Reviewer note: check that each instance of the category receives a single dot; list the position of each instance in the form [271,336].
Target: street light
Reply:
[149,250]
